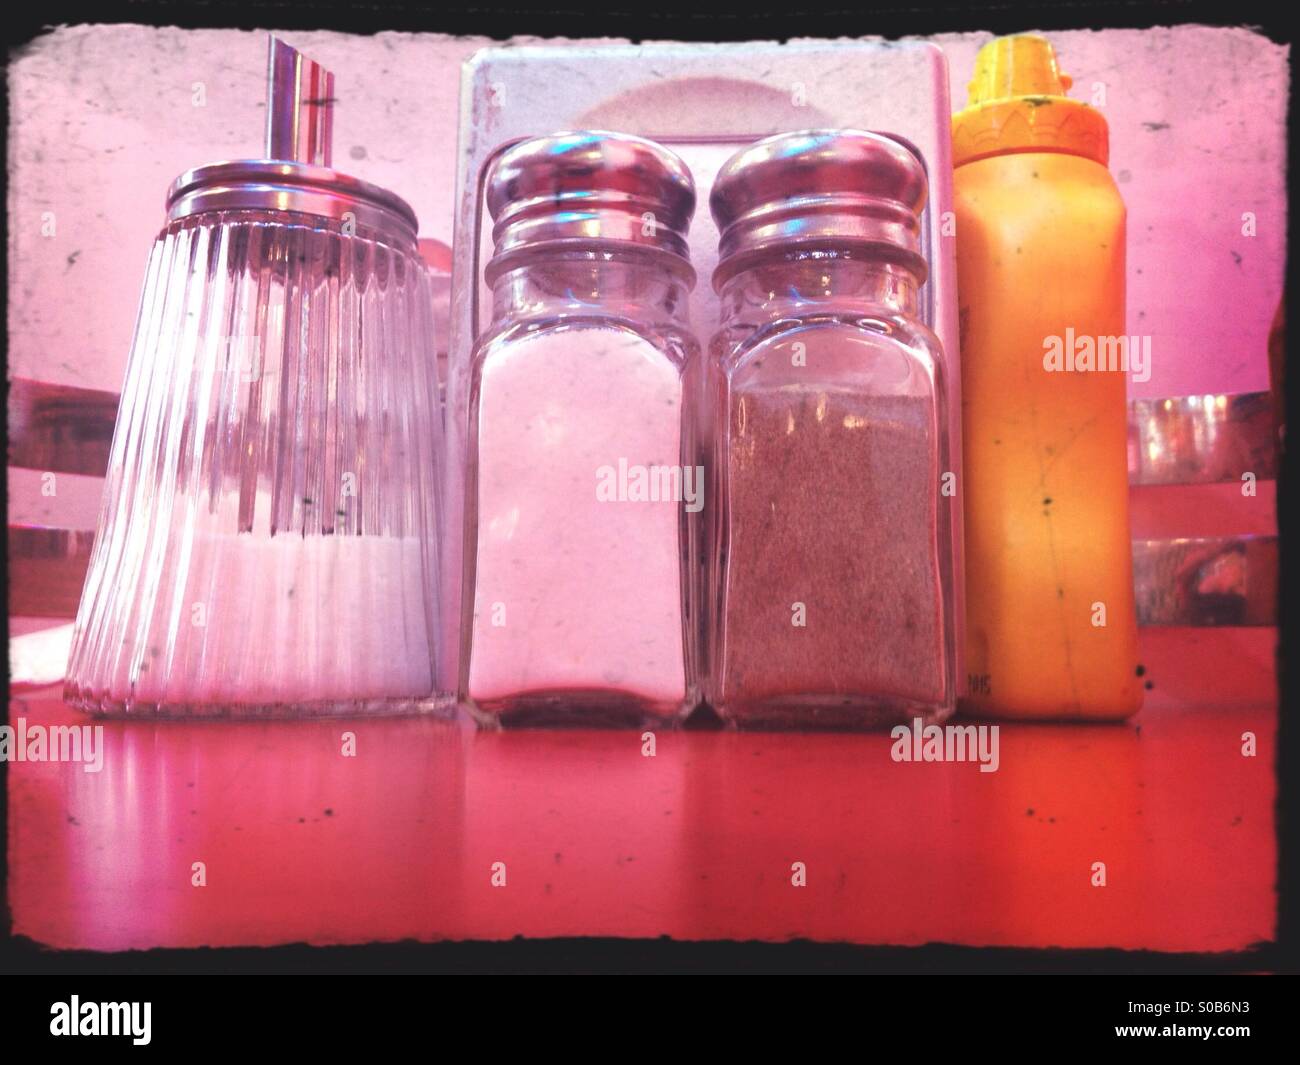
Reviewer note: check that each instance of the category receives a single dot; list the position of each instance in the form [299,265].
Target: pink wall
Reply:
[103,118]
[1198,137]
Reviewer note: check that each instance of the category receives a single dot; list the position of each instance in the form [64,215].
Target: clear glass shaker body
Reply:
[829,551]
[267,543]
[581,499]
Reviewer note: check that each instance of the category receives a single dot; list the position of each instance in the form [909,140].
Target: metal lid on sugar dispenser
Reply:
[588,185]
[296,175]
[819,188]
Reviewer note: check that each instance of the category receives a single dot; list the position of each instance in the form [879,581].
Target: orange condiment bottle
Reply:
[1051,630]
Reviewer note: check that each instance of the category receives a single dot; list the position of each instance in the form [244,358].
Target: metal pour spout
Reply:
[299,106]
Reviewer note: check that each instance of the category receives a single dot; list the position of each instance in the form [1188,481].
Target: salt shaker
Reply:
[267,544]
[829,554]
[581,497]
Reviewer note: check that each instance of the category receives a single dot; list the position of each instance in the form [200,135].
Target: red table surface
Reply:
[303,844]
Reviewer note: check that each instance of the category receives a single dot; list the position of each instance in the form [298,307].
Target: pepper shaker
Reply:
[829,556]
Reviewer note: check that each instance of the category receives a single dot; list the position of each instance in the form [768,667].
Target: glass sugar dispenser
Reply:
[267,542]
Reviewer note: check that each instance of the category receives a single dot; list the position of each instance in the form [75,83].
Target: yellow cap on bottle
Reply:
[1018,104]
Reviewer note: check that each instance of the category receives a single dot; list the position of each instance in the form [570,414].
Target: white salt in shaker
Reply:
[267,543]
[584,492]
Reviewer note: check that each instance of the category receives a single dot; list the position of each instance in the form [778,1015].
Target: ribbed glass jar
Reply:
[267,543]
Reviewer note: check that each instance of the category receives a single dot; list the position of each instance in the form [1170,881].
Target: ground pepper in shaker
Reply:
[579,500]
[830,556]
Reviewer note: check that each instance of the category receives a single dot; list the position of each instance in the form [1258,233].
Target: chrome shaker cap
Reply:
[819,188]
[589,185]
[296,174]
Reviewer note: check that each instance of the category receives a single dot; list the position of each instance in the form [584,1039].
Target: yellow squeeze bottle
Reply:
[1050,622]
